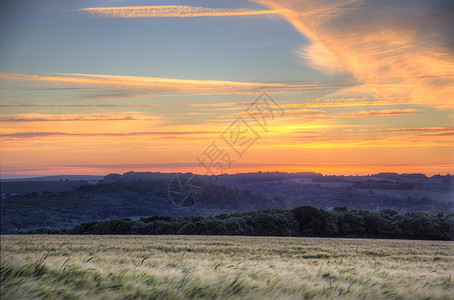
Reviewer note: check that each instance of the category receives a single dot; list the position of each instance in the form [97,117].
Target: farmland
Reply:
[178,267]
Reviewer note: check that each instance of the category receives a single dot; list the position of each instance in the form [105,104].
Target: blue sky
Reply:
[54,37]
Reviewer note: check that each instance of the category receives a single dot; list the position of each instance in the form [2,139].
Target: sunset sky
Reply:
[352,87]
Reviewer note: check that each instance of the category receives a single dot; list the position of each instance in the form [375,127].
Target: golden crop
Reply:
[207,267]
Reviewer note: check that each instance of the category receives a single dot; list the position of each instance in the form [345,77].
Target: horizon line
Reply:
[32,176]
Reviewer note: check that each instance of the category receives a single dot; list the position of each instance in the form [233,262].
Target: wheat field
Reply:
[207,267]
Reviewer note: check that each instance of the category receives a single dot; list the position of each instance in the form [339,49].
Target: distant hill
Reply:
[57,183]
[57,178]
[14,188]
[63,203]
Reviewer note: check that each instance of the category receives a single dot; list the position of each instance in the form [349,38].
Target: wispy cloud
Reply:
[80,105]
[383,112]
[220,104]
[119,80]
[29,135]
[172,11]
[438,134]
[339,102]
[307,113]
[140,85]
[92,117]
[348,102]
[399,48]
[317,113]
[419,129]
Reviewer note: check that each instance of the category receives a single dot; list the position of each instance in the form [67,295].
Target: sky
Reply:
[211,87]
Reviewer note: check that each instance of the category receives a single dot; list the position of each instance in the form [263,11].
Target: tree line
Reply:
[302,221]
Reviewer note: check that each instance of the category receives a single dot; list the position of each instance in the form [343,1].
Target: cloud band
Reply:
[172,11]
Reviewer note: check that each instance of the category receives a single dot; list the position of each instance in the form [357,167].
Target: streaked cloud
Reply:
[307,113]
[80,105]
[119,80]
[140,85]
[342,102]
[317,113]
[383,112]
[31,134]
[221,104]
[448,133]
[347,102]
[64,118]
[172,11]
[419,129]
[401,48]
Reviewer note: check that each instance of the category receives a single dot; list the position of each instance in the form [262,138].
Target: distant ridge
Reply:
[87,178]
[64,201]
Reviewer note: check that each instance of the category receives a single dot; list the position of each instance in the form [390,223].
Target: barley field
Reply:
[207,267]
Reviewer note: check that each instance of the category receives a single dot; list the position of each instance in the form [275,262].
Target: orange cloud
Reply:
[120,80]
[29,135]
[162,86]
[174,11]
[347,102]
[42,117]
[399,50]
[419,129]
[221,104]
[384,112]
[80,105]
